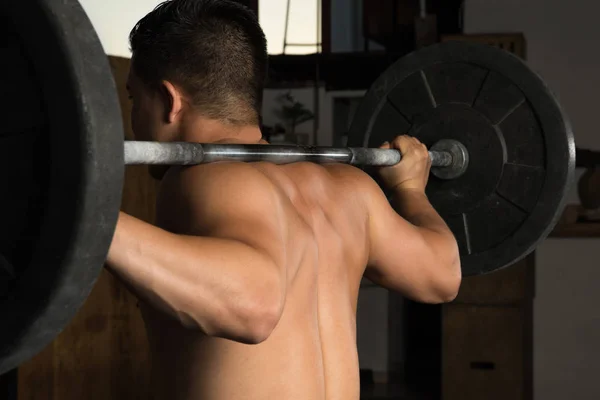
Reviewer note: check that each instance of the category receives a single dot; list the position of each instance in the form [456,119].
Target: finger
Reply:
[426,154]
[422,150]
[385,145]
[418,145]
[402,143]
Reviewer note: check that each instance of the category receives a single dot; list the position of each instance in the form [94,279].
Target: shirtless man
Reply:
[249,281]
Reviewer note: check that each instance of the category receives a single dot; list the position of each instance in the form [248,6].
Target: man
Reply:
[250,280]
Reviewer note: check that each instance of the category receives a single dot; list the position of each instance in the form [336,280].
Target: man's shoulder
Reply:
[252,182]
[223,175]
[346,171]
[205,192]
[356,179]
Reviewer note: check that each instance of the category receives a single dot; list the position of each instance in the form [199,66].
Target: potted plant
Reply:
[292,113]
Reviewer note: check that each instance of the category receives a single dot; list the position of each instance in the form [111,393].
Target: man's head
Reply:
[196,59]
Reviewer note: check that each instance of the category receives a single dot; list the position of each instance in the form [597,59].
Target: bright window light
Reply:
[302,28]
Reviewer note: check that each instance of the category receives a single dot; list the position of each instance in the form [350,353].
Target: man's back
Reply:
[312,353]
[251,278]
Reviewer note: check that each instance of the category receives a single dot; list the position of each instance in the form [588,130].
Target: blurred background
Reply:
[529,332]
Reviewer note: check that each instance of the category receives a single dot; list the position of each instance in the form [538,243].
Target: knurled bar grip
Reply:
[177,153]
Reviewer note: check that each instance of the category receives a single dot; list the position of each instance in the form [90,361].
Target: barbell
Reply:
[502,151]
[449,158]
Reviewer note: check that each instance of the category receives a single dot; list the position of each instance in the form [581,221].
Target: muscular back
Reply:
[311,354]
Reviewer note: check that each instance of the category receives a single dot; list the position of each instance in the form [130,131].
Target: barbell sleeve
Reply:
[178,153]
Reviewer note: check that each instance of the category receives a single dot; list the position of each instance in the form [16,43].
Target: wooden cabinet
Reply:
[485,351]
[487,342]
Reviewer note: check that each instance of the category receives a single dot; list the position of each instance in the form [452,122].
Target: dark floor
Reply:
[389,392]
[8,385]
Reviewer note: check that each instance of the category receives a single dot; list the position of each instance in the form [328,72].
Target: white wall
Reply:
[114,19]
[562,46]
[302,25]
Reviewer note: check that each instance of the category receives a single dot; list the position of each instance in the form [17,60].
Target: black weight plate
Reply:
[520,144]
[61,163]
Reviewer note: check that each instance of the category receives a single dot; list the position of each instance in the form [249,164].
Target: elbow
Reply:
[260,314]
[447,283]
[261,321]
[252,317]
[248,322]
[448,290]
[445,278]
[442,290]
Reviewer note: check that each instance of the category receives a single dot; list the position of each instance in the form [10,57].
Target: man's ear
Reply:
[173,99]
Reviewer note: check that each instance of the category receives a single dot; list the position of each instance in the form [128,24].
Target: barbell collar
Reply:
[457,160]
[183,153]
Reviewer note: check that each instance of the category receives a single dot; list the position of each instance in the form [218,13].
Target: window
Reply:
[303,25]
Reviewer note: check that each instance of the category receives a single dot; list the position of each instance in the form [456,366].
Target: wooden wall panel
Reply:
[103,353]
[484,353]
[512,285]
[511,42]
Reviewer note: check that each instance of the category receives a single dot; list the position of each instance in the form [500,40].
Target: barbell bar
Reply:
[450,156]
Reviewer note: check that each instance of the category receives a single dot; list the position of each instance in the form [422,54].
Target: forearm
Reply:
[209,283]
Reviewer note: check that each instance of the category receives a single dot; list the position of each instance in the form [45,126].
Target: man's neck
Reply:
[212,131]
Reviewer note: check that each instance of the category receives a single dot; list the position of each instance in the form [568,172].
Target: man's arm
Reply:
[231,281]
[412,250]
[415,255]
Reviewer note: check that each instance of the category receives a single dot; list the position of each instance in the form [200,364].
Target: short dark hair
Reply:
[215,50]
